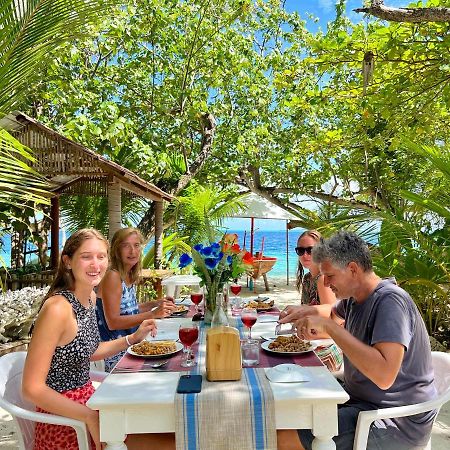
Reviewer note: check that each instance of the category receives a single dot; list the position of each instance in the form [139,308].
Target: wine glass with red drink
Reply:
[235,288]
[196,299]
[249,317]
[188,334]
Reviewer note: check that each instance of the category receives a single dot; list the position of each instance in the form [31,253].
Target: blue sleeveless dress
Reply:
[128,306]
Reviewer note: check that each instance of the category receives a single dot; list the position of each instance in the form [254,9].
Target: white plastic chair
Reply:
[23,412]
[441,366]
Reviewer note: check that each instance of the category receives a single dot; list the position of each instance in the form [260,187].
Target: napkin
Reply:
[288,373]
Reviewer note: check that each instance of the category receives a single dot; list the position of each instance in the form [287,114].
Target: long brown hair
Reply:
[64,279]
[300,269]
[116,261]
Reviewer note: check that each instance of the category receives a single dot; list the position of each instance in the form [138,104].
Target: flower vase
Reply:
[210,301]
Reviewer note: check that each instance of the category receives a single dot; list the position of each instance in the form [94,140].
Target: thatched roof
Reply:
[71,167]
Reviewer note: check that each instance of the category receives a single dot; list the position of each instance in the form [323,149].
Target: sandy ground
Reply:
[283,295]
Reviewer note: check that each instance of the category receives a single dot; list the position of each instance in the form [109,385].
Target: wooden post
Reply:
[54,232]
[114,207]
[159,210]
[287,253]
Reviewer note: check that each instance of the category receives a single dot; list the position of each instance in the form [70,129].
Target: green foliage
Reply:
[90,211]
[172,245]
[201,210]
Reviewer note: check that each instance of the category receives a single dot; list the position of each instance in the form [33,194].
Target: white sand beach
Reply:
[283,295]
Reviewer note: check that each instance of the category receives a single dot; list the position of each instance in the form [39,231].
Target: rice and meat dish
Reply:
[289,344]
[154,348]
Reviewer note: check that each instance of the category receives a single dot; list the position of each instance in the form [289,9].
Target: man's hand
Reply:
[294,313]
[310,326]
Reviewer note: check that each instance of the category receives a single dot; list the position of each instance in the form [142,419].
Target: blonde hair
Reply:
[314,234]
[116,261]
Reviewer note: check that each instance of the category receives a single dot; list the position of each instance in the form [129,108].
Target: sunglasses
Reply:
[301,250]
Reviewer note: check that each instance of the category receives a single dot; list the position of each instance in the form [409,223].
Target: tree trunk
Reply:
[208,125]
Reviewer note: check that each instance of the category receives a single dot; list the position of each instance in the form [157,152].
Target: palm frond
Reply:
[31,29]
[20,184]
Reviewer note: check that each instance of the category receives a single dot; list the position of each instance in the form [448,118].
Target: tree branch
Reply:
[411,15]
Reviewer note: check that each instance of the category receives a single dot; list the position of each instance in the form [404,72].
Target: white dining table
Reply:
[144,402]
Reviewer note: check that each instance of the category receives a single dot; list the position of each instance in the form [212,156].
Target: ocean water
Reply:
[274,246]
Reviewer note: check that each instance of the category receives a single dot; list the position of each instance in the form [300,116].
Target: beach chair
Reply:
[23,412]
[441,366]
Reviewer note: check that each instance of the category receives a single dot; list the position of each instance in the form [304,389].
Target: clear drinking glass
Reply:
[188,334]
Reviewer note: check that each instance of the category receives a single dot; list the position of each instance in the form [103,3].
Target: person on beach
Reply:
[65,339]
[118,312]
[385,343]
[316,298]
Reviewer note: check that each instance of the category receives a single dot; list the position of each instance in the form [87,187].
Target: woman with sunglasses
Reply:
[316,298]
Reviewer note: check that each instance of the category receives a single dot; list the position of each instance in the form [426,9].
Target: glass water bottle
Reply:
[219,317]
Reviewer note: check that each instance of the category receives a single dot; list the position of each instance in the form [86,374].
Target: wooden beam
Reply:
[54,233]
[159,211]
[114,207]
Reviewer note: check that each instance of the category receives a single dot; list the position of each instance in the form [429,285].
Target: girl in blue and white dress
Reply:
[118,312]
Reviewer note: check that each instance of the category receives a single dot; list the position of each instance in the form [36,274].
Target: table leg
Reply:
[325,426]
[323,443]
[111,445]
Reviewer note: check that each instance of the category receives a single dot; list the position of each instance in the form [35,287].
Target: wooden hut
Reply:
[73,169]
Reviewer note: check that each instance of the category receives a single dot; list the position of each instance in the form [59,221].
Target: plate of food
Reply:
[155,349]
[288,345]
[180,310]
[259,305]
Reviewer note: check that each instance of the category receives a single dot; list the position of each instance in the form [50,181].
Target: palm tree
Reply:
[30,31]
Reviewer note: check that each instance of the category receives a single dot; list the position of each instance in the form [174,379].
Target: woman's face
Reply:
[89,262]
[306,242]
[130,251]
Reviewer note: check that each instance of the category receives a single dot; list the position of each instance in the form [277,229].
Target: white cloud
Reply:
[327,5]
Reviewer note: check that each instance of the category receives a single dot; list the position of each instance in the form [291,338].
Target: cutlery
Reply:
[146,365]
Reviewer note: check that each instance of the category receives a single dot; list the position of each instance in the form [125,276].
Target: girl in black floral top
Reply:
[65,339]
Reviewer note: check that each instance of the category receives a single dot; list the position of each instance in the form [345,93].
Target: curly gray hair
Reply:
[341,249]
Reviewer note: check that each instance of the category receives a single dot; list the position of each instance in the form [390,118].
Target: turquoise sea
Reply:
[274,246]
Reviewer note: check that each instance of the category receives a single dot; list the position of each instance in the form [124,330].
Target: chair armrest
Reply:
[365,418]
[34,416]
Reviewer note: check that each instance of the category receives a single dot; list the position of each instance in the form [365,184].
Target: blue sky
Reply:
[324,10]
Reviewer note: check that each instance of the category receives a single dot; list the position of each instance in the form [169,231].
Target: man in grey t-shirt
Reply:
[387,355]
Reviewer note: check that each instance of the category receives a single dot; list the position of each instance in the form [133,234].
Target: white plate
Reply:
[266,318]
[178,346]
[181,313]
[265,346]
[288,373]
[322,342]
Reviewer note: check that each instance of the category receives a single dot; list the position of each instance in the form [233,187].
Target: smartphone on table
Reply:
[189,384]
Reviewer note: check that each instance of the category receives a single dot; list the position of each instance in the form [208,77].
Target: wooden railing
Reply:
[14,282]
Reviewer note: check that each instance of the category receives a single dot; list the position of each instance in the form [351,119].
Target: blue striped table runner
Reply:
[226,414]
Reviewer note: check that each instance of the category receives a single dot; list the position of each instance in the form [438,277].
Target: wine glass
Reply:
[236,290]
[249,317]
[196,298]
[188,334]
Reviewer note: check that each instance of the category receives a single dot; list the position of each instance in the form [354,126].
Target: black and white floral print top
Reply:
[69,368]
